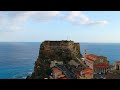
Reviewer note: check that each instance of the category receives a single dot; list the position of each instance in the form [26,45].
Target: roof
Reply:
[54,41]
[102,65]
[60,76]
[64,78]
[87,71]
[91,57]
[56,70]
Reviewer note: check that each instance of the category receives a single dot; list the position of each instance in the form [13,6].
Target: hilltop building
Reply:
[99,64]
[48,46]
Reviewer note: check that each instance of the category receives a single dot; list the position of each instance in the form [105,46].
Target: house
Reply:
[99,64]
[116,65]
[89,59]
[56,73]
[87,73]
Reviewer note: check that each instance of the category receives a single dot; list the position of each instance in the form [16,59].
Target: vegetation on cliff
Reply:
[42,67]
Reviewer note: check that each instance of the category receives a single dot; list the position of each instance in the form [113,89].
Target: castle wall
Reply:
[49,45]
[77,48]
[58,44]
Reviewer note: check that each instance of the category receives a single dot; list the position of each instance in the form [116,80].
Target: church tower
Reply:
[85,53]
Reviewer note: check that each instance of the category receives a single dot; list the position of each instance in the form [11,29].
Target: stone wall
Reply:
[49,45]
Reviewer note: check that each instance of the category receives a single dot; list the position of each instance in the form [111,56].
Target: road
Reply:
[68,74]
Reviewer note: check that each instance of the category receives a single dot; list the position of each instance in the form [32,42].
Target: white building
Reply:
[53,63]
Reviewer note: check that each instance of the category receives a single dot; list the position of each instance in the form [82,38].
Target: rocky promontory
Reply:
[52,53]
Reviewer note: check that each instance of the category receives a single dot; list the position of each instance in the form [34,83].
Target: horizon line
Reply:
[55,40]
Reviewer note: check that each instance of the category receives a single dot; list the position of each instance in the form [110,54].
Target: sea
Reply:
[17,58]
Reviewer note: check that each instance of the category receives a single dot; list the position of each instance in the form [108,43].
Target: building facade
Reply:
[55,62]
[56,73]
[116,65]
[99,64]
[87,73]
[89,60]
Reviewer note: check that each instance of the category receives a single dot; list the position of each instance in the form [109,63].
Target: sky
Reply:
[79,26]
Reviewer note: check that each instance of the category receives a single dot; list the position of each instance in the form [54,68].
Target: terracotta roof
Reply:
[91,56]
[64,78]
[89,59]
[87,71]
[60,76]
[102,65]
[56,70]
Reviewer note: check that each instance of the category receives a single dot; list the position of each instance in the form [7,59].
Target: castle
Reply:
[48,46]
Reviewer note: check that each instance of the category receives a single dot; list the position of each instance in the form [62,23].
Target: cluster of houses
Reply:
[95,65]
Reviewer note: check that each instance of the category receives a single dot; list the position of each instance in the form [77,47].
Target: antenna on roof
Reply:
[68,37]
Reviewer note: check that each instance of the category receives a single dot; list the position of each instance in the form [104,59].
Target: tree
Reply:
[49,71]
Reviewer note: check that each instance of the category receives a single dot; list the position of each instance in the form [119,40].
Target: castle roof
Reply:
[59,41]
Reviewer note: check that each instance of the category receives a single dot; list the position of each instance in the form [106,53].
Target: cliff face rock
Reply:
[54,50]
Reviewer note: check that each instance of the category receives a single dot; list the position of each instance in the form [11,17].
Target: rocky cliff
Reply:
[54,50]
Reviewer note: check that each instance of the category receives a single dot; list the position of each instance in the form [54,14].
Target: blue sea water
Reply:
[110,50]
[17,58]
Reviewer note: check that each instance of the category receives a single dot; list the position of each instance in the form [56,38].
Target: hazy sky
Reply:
[80,26]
